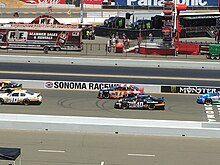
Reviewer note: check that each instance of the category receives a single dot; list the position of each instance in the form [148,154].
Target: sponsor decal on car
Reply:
[72,85]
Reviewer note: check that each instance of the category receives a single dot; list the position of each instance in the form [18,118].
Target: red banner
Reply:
[93,2]
[44,1]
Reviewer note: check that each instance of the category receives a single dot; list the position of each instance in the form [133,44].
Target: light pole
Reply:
[81,11]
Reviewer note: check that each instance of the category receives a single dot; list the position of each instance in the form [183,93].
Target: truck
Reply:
[213,52]
[44,33]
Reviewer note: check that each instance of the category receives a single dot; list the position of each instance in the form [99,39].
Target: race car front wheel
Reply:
[1,101]
[26,102]
[208,101]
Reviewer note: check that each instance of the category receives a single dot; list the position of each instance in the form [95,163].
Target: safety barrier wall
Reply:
[95,86]
[109,62]
[107,125]
[75,85]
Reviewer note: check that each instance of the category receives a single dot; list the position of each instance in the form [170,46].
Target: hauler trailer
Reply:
[43,33]
[214,52]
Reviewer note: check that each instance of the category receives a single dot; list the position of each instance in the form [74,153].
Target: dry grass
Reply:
[13,3]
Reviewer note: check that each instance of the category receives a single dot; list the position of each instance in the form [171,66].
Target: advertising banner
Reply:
[45,1]
[74,85]
[93,2]
[158,3]
[189,89]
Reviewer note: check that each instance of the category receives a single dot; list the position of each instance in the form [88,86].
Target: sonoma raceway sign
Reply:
[72,85]
[160,2]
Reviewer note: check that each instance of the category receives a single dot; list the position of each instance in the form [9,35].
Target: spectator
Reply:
[109,45]
[87,34]
[151,37]
[216,36]
[139,38]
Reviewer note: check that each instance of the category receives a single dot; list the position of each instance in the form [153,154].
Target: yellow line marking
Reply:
[112,76]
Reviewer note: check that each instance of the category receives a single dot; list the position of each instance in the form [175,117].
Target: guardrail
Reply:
[108,125]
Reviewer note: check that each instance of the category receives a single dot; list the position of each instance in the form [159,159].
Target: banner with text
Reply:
[189,89]
[158,3]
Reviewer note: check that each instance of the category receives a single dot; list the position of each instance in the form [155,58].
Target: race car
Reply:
[7,85]
[20,97]
[209,98]
[119,91]
[140,101]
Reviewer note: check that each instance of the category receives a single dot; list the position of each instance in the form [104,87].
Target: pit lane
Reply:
[81,103]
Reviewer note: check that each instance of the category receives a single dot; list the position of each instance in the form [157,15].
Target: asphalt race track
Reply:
[134,75]
[53,148]
[81,103]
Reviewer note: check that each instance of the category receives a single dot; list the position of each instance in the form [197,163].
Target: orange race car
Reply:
[119,91]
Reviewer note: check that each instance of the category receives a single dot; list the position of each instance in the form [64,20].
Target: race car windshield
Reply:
[134,87]
[13,83]
[29,92]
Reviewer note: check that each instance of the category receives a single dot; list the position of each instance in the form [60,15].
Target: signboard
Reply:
[158,3]
[45,1]
[189,89]
[74,85]
[93,2]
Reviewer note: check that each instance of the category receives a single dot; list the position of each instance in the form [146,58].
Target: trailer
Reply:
[214,52]
[44,33]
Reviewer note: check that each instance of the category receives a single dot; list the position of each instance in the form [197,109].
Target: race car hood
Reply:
[3,94]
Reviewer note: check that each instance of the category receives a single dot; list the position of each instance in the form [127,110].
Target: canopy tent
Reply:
[10,154]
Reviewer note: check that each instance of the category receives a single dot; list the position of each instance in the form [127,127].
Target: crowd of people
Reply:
[114,39]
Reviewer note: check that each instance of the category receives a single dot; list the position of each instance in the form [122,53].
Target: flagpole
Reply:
[81,11]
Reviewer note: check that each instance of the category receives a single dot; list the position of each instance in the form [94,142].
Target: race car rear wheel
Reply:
[26,102]
[105,95]
[151,106]
[208,101]
[124,105]
[1,101]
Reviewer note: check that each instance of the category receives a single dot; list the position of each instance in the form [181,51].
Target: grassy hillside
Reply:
[13,3]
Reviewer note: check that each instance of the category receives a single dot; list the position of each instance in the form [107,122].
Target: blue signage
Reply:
[159,3]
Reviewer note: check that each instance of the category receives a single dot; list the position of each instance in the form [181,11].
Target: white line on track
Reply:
[102,162]
[143,155]
[53,151]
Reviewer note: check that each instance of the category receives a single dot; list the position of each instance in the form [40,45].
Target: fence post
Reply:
[86,48]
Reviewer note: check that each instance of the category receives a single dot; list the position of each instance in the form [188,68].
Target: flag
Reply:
[50,10]
[69,13]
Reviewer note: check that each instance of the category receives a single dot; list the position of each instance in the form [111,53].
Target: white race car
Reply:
[20,97]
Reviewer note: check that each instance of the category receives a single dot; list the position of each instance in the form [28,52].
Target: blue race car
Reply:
[209,98]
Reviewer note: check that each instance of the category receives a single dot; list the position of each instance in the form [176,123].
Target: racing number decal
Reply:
[119,94]
[140,104]
[12,100]
[15,100]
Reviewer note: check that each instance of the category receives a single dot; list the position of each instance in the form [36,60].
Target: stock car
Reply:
[140,101]
[209,98]
[119,91]
[20,97]
[7,85]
